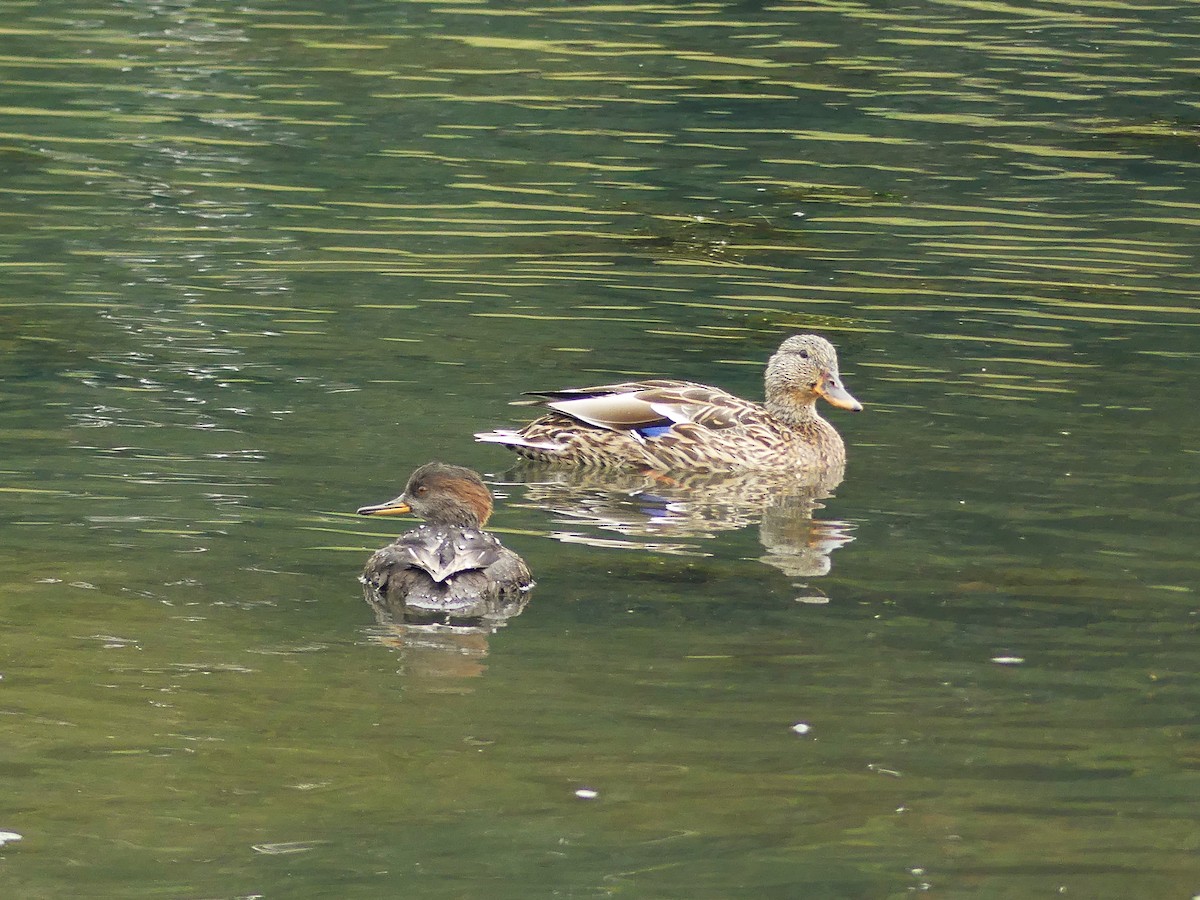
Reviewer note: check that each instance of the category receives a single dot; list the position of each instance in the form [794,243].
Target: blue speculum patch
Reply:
[653,430]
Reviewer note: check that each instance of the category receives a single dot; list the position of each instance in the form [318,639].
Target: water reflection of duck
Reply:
[683,426]
[448,568]
[666,514]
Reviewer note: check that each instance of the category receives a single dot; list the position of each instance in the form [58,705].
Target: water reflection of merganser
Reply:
[670,513]
[439,657]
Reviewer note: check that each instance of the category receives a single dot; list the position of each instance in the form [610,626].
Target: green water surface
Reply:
[261,261]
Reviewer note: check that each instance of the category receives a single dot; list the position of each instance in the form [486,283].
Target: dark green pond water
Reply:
[261,261]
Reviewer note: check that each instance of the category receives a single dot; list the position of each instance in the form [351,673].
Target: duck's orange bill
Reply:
[831,389]
[395,507]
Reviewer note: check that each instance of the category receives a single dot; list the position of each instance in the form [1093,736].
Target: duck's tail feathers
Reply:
[511,438]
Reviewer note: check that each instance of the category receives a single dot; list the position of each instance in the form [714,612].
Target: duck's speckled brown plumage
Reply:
[680,425]
[448,567]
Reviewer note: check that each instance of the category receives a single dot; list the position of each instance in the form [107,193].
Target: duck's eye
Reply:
[804,354]
[422,489]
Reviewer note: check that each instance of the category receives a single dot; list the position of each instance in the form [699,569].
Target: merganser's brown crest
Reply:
[681,425]
[448,568]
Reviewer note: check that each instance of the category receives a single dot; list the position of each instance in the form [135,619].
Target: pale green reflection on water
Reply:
[258,264]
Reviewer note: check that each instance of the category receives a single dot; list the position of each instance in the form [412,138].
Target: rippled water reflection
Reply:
[261,262]
[672,513]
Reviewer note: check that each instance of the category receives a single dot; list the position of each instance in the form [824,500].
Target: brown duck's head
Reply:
[804,368]
[441,494]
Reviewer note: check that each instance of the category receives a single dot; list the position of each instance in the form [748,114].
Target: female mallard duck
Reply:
[448,566]
[679,425]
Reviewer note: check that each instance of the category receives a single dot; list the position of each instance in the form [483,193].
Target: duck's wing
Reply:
[442,552]
[643,406]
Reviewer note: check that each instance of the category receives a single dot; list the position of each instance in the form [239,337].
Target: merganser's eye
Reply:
[422,489]
[804,354]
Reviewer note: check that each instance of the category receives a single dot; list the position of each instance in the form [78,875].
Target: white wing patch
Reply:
[677,412]
[515,439]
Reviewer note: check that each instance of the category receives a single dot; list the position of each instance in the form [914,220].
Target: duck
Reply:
[448,568]
[666,425]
